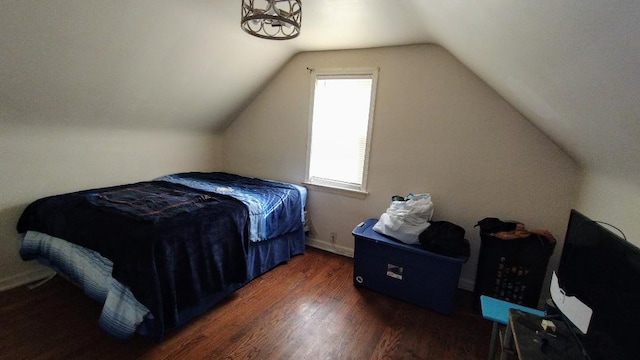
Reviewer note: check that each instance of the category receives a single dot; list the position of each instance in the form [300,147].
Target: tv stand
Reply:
[526,337]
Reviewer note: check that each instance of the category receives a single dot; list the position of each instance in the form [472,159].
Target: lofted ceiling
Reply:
[572,68]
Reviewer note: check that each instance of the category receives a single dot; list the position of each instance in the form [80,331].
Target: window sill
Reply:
[357,194]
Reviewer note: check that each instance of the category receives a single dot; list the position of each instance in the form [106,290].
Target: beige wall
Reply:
[612,200]
[37,161]
[437,128]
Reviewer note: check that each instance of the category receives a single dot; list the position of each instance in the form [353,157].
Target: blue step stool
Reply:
[497,311]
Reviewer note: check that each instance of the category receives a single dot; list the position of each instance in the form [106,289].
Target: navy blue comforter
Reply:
[174,252]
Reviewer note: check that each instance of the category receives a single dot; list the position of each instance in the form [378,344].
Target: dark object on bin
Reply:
[446,238]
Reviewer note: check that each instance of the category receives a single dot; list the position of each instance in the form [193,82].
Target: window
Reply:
[341,116]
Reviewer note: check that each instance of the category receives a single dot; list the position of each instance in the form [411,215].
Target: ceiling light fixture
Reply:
[272,19]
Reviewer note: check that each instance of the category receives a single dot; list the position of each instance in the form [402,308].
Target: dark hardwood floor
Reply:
[305,309]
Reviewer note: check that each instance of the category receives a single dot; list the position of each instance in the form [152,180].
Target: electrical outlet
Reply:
[333,237]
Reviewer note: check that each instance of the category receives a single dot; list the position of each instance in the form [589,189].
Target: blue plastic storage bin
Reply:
[406,272]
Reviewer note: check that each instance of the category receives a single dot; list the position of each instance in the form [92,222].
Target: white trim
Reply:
[344,73]
[330,247]
[25,278]
[466,284]
[336,190]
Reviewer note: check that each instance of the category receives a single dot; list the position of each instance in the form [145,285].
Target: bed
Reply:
[161,252]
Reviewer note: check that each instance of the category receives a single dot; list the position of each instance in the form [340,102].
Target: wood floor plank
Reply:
[307,308]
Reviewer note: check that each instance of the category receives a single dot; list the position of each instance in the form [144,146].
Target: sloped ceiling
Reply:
[572,68]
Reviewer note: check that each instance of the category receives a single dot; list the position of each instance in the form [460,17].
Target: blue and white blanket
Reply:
[272,205]
[121,314]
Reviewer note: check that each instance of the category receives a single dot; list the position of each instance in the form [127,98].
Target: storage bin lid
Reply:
[365,230]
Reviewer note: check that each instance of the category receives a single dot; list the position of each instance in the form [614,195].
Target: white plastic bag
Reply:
[406,220]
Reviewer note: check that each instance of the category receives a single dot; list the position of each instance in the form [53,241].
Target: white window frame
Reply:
[337,187]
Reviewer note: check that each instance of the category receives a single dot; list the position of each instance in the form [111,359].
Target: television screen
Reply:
[602,269]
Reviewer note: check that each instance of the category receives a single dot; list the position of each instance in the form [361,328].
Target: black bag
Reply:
[445,238]
[492,225]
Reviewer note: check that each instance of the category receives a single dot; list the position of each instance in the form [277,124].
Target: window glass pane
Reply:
[339,130]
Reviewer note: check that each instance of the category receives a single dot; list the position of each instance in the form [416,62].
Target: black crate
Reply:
[513,270]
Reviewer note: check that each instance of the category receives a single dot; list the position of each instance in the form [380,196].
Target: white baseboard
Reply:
[327,246]
[25,278]
[464,284]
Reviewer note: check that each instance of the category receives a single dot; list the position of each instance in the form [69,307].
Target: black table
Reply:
[525,335]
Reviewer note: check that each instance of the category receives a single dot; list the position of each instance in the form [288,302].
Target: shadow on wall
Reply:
[8,220]
[15,271]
